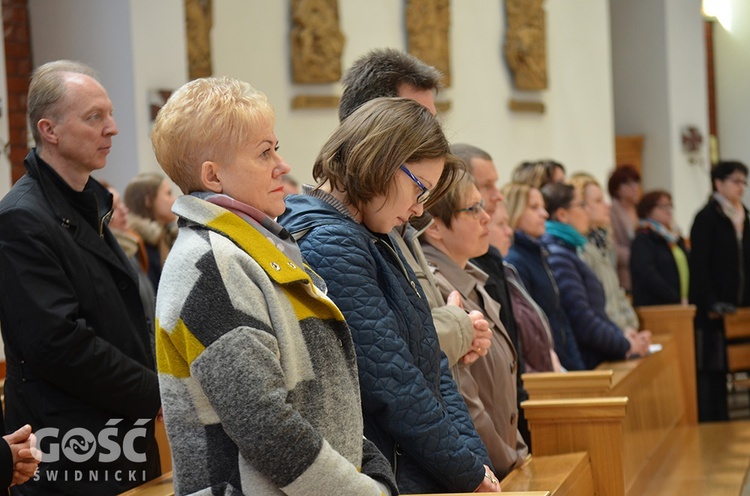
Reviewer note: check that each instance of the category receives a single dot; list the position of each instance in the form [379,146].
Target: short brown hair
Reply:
[366,151]
[445,208]
[649,201]
[206,119]
[622,174]
[537,173]
[47,89]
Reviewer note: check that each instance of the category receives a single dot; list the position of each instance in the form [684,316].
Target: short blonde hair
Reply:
[582,180]
[516,199]
[366,151]
[206,119]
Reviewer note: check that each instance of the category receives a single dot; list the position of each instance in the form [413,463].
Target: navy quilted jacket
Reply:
[412,410]
[582,297]
[529,259]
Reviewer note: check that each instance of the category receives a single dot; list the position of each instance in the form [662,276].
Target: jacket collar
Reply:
[274,262]
[93,204]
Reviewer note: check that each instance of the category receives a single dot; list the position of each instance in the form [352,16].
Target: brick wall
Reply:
[18,68]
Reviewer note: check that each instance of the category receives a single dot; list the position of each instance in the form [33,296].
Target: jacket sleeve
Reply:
[57,344]
[589,328]
[394,391]
[702,241]
[455,332]
[644,268]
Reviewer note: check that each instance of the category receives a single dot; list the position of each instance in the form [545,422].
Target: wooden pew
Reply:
[677,321]
[162,486]
[623,415]
[737,331]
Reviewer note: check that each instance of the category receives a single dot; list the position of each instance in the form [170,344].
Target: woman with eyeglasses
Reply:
[659,258]
[458,233]
[382,165]
[581,293]
[719,280]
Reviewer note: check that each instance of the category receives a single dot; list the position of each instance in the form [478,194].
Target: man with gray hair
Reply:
[79,369]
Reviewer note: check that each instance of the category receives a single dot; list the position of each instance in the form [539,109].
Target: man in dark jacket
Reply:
[79,368]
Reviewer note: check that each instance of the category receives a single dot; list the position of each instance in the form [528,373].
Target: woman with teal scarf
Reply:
[581,293]
[659,258]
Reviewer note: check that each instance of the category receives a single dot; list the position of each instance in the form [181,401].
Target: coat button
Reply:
[512,418]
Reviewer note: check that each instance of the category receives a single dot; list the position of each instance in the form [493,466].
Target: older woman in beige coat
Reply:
[460,232]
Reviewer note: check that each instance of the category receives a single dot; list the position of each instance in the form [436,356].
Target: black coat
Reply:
[76,337]
[653,270]
[719,272]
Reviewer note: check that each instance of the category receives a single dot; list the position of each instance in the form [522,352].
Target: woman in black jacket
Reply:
[720,280]
[658,258]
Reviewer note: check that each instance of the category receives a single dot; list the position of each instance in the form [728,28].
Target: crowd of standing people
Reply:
[364,334]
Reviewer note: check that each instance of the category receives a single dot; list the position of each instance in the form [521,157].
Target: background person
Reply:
[530,259]
[624,188]
[581,293]
[149,199]
[75,333]
[719,280]
[256,365]
[379,168]
[659,268]
[538,173]
[535,332]
[599,253]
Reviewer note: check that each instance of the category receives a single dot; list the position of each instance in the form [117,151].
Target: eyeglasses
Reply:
[577,204]
[475,210]
[665,206]
[738,181]
[425,194]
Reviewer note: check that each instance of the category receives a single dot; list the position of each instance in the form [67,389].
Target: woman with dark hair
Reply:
[380,167]
[720,280]
[149,199]
[625,190]
[659,258]
[581,293]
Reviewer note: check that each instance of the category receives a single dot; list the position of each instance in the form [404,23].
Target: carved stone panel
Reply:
[428,29]
[198,23]
[316,40]
[526,43]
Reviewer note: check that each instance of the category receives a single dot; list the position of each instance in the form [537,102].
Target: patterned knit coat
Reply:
[257,367]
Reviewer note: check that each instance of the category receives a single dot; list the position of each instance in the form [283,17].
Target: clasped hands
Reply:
[482,332]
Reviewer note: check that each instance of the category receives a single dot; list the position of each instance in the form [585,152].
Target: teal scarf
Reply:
[566,233]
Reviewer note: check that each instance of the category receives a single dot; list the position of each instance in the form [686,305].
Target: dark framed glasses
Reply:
[425,194]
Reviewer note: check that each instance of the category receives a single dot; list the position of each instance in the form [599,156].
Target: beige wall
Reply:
[138,45]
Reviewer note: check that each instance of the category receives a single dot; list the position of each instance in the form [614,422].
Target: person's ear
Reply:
[47,131]
[210,177]
[560,215]
[434,231]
